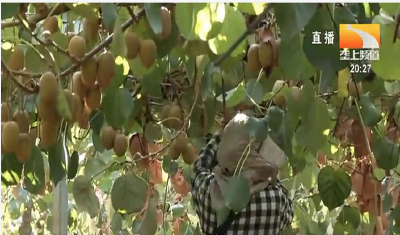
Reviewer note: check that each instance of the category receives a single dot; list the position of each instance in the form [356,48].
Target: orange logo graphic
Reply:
[359,36]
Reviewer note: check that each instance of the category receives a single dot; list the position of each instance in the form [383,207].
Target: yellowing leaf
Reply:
[343,79]
[251,8]
[209,20]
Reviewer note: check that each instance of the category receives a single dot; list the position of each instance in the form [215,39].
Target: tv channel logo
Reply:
[359,36]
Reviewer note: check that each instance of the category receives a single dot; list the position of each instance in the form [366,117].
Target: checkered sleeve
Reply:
[287,211]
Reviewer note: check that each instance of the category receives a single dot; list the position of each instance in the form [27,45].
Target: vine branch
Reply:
[12,74]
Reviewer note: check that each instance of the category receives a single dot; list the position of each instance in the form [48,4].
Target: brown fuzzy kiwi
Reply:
[188,154]
[353,90]
[106,69]
[279,99]
[77,47]
[84,122]
[51,24]
[49,87]
[93,98]
[78,108]
[3,150]
[77,85]
[89,72]
[138,144]
[120,145]
[17,59]
[265,55]
[172,114]
[41,8]
[48,111]
[108,135]
[132,42]
[165,113]
[10,136]
[90,29]
[296,93]
[23,119]
[253,61]
[5,112]
[166,24]
[173,151]
[70,35]
[148,52]
[24,150]
[48,134]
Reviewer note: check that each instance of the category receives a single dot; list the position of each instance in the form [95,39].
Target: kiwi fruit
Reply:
[24,150]
[89,72]
[17,59]
[48,134]
[148,52]
[10,136]
[352,88]
[90,29]
[132,42]
[177,146]
[137,144]
[108,135]
[49,87]
[173,151]
[70,35]
[77,47]
[22,118]
[172,116]
[106,69]
[93,98]
[84,122]
[188,154]
[279,99]
[77,85]
[120,145]
[77,104]
[51,24]
[41,8]
[48,111]
[253,61]
[5,110]
[265,55]
[296,93]
[3,150]
[166,24]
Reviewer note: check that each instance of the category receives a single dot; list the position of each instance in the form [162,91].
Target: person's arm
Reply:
[202,169]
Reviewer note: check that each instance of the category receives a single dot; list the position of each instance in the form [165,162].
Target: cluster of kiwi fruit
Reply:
[114,139]
[259,56]
[181,146]
[173,116]
[279,98]
[16,136]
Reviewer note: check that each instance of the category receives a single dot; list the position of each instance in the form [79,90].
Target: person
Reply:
[269,210]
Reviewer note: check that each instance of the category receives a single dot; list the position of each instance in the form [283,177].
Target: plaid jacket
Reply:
[268,212]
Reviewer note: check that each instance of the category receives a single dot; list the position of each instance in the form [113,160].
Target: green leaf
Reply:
[291,56]
[93,167]
[151,82]
[86,10]
[334,186]
[344,16]
[350,215]
[11,169]
[98,145]
[148,226]
[293,17]
[396,114]
[126,188]
[237,194]
[119,76]
[186,18]
[390,8]
[96,121]
[152,132]
[251,8]
[34,62]
[118,45]
[386,153]
[138,68]
[210,20]
[207,83]
[254,92]
[63,107]
[57,161]
[73,165]
[153,13]
[371,115]
[165,46]
[117,106]
[116,223]
[169,166]
[228,34]
[178,210]
[8,10]
[389,53]
[257,128]
[109,12]
[274,118]
[84,196]
[234,96]
[34,176]
[323,56]
[222,214]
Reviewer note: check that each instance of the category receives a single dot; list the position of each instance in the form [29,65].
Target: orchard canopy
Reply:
[105,108]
